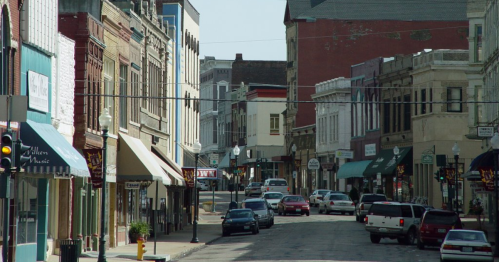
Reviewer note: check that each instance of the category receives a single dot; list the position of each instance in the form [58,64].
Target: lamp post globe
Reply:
[105,121]
[236,152]
[396,152]
[456,150]
[494,141]
[196,149]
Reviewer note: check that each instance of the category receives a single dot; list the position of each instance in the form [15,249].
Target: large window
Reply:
[109,90]
[478,43]
[454,98]
[423,101]
[386,116]
[274,124]
[135,108]
[27,215]
[415,103]
[478,106]
[407,112]
[123,96]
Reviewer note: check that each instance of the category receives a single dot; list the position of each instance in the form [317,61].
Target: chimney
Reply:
[239,57]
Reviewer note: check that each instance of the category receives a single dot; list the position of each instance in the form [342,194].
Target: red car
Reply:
[293,204]
[434,227]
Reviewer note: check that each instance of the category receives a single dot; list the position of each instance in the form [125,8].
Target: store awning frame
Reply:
[353,169]
[386,162]
[52,156]
[144,168]
[173,170]
[485,159]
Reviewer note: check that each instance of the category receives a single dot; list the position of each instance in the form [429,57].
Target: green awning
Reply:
[384,163]
[353,169]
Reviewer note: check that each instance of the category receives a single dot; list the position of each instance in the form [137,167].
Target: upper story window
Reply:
[274,124]
[123,96]
[454,96]
[109,90]
[478,43]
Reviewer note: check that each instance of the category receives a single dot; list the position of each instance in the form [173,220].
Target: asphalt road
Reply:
[319,237]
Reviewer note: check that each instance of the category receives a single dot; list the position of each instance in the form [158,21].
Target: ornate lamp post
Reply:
[494,141]
[293,149]
[236,152]
[196,149]
[396,152]
[105,121]
[456,150]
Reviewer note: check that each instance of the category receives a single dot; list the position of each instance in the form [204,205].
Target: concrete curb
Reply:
[191,250]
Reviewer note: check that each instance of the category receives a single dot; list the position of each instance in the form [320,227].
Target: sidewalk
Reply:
[173,246]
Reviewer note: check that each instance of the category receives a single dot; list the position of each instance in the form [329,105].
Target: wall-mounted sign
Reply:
[314,164]
[370,150]
[38,91]
[132,185]
[485,131]
[343,154]
[427,159]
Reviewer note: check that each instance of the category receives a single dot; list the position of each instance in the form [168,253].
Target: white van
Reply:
[276,185]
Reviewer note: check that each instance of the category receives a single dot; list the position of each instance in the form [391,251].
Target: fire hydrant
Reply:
[140,249]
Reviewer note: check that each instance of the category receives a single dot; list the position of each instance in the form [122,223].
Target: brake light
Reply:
[288,189]
[268,189]
[366,219]
[331,203]
[319,197]
[451,247]
[361,206]
[483,249]
[353,204]
[401,222]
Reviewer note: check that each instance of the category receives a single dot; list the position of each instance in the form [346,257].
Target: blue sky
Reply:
[253,28]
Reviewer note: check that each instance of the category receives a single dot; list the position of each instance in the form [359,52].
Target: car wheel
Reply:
[255,230]
[225,233]
[420,244]
[410,237]
[375,239]
[401,240]
[320,210]
[279,212]
[361,219]
[351,213]
[308,214]
[357,218]
[284,213]
[268,225]
[327,211]
[342,213]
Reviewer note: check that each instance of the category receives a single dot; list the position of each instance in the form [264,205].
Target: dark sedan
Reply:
[293,204]
[240,220]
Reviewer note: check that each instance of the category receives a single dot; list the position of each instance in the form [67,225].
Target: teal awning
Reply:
[353,169]
[385,162]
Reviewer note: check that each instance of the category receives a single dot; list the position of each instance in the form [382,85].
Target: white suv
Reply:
[394,220]
[276,185]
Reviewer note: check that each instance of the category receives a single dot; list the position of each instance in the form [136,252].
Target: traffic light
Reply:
[442,175]
[7,147]
[19,152]
[258,162]
[141,249]
[437,176]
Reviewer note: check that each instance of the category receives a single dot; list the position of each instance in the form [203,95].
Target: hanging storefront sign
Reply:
[241,171]
[344,154]
[427,159]
[487,176]
[132,185]
[313,164]
[94,163]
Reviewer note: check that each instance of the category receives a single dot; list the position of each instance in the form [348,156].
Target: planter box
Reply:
[207,208]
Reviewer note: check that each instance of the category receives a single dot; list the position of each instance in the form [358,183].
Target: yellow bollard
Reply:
[140,249]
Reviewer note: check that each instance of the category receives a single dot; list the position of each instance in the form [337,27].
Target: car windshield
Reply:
[294,199]
[440,218]
[385,210]
[273,196]
[278,183]
[373,198]
[238,214]
[339,197]
[466,236]
[260,205]
[322,192]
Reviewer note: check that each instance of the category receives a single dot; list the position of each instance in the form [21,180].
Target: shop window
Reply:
[27,214]
[454,97]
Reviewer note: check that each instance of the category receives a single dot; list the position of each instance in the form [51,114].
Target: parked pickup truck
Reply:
[394,220]
[364,204]
[276,185]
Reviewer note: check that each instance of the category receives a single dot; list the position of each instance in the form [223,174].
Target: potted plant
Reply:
[207,206]
[138,229]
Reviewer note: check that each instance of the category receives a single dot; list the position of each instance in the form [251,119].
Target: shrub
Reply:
[140,228]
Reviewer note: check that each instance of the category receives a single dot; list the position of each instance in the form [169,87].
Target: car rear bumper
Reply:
[432,241]
[295,210]
[465,257]
[236,229]
[383,231]
[341,208]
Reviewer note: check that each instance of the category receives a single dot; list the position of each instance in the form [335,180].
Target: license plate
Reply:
[467,249]
[383,229]
[246,227]
[442,230]
[298,210]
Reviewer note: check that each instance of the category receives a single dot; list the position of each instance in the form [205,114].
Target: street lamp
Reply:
[196,149]
[293,149]
[494,141]
[236,152]
[456,150]
[396,152]
[105,121]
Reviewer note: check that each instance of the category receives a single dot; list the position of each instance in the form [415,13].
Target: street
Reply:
[333,237]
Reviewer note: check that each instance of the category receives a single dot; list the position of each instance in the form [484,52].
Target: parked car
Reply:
[262,208]
[466,245]
[364,204]
[276,185]
[203,186]
[273,198]
[253,188]
[337,202]
[232,187]
[316,197]
[240,220]
[394,220]
[434,227]
[295,204]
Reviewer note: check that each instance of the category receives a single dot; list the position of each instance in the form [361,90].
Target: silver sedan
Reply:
[337,202]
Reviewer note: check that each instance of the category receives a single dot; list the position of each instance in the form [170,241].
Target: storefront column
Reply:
[42,226]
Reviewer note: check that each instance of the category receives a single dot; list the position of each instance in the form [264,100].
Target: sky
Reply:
[253,28]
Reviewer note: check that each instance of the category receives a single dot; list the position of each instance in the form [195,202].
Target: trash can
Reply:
[70,250]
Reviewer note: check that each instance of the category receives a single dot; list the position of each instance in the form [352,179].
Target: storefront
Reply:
[353,172]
